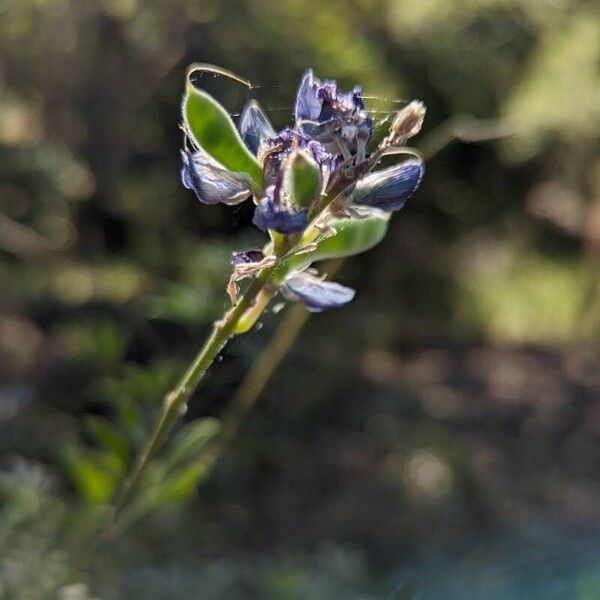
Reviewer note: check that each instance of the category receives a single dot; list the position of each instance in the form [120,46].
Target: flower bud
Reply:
[406,124]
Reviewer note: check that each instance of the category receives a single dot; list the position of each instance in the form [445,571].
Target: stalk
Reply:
[257,377]
[175,402]
[237,320]
[253,384]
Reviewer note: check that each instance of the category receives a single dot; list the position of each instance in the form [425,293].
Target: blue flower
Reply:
[316,294]
[211,181]
[255,126]
[276,149]
[389,189]
[339,120]
[274,211]
[332,127]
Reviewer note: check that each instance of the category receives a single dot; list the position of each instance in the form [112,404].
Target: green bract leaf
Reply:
[211,128]
[302,179]
[180,486]
[109,437]
[353,236]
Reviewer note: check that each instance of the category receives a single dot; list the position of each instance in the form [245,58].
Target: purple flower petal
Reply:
[316,294]
[271,213]
[277,149]
[211,181]
[389,189]
[308,103]
[337,119]
[254,126]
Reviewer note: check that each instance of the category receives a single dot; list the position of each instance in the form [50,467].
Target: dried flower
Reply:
[406,124]
[337,119]
[245,257]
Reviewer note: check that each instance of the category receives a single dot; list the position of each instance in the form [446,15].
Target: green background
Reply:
[442,431]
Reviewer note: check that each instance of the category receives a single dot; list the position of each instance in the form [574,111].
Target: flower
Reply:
[318,170]
[254,126]
[339,120]
[316,294]
[211,181]
[389,189]
[275,211]
[276,149]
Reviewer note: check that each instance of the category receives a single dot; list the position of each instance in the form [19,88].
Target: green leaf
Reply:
[353,236]
[302,179]
[129,415]
[92,476]
[108,437]
[181,485]
[189,441]
[210,127]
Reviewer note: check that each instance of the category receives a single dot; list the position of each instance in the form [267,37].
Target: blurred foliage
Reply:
[454,403]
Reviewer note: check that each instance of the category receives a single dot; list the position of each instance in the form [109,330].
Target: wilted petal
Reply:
[277,149]
[271,214]
[308,103]
[335,118]
[316,294]
[244,257]
[212,182]
[407,123]
[254,126]
[389,189]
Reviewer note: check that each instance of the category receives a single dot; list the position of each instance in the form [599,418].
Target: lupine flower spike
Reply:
[316,192]
[316,195]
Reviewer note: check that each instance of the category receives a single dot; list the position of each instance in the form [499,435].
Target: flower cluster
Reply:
[313,178]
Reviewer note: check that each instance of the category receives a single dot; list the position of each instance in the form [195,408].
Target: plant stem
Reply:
[234,322]
[254,382]
[175,402]
[257,377]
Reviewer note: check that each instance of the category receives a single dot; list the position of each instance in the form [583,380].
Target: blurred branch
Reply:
[254,382]
[19,239]
[464,128]
[257,377]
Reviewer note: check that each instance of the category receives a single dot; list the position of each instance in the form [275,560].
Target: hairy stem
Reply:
[257,377]
[239,320]
[233,322]
[175,402]
[254,382]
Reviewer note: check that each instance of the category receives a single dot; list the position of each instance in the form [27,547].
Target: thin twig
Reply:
[254,382]
[465,129]
[257,377]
